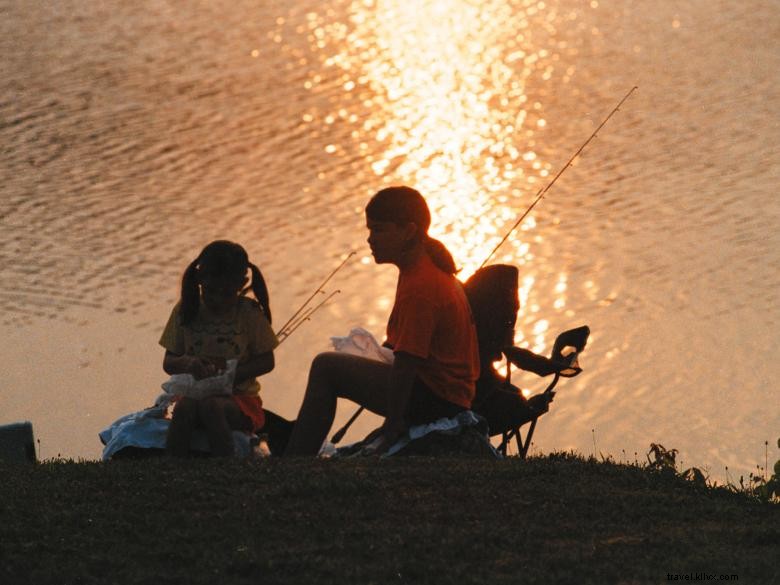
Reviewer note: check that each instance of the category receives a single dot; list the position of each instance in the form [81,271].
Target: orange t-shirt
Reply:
[431,319]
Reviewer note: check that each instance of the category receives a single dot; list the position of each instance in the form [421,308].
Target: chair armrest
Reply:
[531,362]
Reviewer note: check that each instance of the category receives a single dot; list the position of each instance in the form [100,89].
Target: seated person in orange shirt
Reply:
[431,332]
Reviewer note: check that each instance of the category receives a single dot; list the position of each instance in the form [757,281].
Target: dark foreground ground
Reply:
[555,519]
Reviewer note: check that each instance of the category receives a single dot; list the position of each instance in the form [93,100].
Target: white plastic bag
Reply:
[361,342]
[187,385]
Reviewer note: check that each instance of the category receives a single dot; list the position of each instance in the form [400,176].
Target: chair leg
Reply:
[529,434]
[522,444]
[505,438]
[521,449]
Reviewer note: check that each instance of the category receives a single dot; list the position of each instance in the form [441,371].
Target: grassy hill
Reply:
[553,519]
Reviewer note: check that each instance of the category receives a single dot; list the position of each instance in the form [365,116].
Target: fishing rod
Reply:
[542,192]
[338,435]
[305,317]
[283,330]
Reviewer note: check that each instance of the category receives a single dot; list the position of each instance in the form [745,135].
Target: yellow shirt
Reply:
[241,335]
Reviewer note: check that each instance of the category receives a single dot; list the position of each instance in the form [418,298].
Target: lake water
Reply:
[134,133]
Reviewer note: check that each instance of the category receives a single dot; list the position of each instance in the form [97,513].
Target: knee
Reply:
[185,409]
[321,374]
[324,365]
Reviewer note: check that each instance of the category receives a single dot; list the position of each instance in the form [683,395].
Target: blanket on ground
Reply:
[464,434]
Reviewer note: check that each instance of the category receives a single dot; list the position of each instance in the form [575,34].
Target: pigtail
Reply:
[260,290]
[440,255]
[190,293]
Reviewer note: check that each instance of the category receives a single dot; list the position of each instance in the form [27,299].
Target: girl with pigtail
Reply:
[214,322]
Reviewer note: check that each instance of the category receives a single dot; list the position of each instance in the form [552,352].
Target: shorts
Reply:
[426,407]
[252,407]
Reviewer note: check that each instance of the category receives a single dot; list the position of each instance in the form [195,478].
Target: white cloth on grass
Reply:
[463,421]
[148,428]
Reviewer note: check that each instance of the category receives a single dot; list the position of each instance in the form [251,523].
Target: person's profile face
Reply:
[388,240]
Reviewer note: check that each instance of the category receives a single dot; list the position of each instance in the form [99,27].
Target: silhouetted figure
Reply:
[430,330]
[214,322]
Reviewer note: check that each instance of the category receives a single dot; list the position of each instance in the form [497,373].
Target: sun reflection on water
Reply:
[442,87]
[452,110]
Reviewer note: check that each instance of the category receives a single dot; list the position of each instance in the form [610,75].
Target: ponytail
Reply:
[439,254]
[260,290]
[190,293]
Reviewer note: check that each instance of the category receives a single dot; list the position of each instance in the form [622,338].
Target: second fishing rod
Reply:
[339,435]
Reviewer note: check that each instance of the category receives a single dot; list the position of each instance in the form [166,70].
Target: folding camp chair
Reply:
[493,295]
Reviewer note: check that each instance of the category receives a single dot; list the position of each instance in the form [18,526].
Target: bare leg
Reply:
[332,376]
[220,415]
[183,421]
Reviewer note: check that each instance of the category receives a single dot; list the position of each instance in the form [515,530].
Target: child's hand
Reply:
[202,367]
[220,363]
